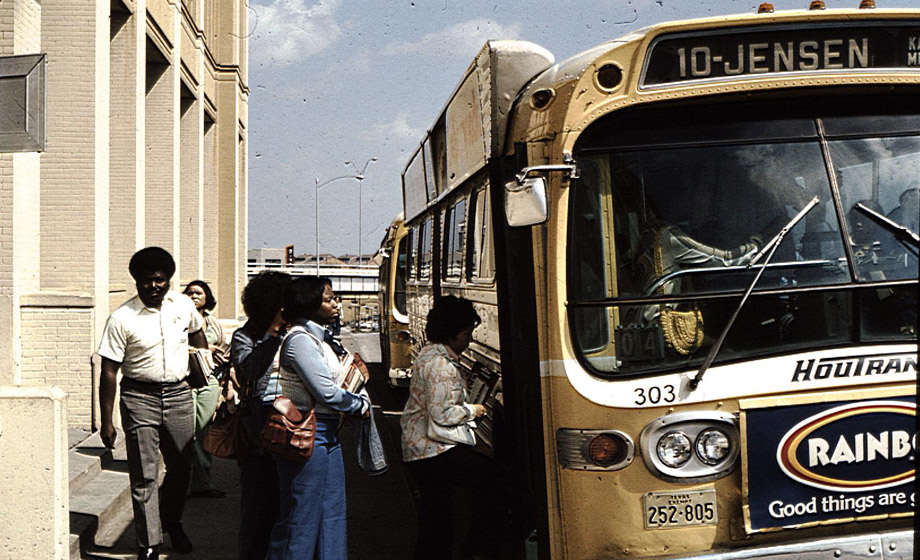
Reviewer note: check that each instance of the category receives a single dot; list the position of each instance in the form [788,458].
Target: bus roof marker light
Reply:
[867,5]
[542,98]
[765,8]
[817,5]
[608,77]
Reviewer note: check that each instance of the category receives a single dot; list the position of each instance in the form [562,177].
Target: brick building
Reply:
[146,141]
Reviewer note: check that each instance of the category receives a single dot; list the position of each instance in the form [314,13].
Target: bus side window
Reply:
[454,226]
[424,251]
[482,260]
[399,261]
[411,254]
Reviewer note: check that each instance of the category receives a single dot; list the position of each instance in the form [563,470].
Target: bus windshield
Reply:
[672,207]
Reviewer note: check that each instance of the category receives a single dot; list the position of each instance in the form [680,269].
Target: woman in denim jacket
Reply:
[311,523]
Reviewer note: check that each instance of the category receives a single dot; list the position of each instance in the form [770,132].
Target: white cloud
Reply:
[284,31]
[398,129]
[463,39]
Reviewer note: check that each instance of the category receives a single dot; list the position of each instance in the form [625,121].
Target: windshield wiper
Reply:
[901,232]
[771,246]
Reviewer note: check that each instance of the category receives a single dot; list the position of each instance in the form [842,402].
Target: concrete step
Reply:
[100,495]
[75,553]
[107,498]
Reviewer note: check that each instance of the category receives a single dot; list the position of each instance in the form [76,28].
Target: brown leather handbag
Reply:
[225,437]
[289,433]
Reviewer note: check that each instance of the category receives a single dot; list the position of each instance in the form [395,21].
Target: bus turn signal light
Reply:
[605,450]
[594,450]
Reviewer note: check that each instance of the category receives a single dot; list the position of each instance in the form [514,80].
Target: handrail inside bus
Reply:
[792,264]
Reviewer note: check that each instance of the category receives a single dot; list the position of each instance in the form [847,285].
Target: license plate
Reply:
[664,510]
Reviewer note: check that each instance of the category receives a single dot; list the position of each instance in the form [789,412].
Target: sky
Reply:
[349,80]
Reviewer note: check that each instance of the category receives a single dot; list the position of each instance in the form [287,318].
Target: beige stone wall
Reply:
[54,343]
[34,519]
[124,168]
[74,171]
[127,170]
[132,160]
[20,211]
[209,216]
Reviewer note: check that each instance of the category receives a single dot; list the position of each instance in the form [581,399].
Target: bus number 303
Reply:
[655,395]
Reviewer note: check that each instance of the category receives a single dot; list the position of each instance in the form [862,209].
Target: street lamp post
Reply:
[360,177]
[316,211]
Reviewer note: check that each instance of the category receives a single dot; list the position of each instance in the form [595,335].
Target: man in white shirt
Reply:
[148,337]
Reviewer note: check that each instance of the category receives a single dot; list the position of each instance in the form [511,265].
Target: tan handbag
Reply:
[225,437]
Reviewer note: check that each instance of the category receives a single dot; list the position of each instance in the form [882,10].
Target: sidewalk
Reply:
[381,517]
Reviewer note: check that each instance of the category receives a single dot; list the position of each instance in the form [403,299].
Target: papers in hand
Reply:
[353,380]
[200,367]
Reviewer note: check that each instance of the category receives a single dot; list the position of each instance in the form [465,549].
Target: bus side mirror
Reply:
[525,201]
[525,197]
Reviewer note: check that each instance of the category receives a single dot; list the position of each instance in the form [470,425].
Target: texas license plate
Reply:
[664,510]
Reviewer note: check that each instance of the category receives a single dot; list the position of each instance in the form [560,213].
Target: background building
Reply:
[146,144]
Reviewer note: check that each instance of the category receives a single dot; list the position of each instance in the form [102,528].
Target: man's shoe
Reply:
[178,539]
[148,553]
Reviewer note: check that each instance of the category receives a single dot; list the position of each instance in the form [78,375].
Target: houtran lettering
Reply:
[855,366]
[860,448]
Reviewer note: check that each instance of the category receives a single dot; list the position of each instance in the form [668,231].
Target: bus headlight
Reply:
[674,449]
[691,447]
[712,446]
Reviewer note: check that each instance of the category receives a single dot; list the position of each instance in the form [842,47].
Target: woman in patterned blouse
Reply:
[442,460]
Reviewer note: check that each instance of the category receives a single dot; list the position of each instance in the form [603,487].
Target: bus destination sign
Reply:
[759,52]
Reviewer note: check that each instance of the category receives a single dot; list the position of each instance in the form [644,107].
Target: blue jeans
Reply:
[311,523]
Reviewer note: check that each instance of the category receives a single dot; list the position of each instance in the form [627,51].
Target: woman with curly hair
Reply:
[254,355]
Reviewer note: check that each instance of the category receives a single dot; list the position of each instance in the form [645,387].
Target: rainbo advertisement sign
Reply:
[830,461]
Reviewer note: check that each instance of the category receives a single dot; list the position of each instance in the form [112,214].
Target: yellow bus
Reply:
[694,249]
[394,320]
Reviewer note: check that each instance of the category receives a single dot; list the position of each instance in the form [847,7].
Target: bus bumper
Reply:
[889,545]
